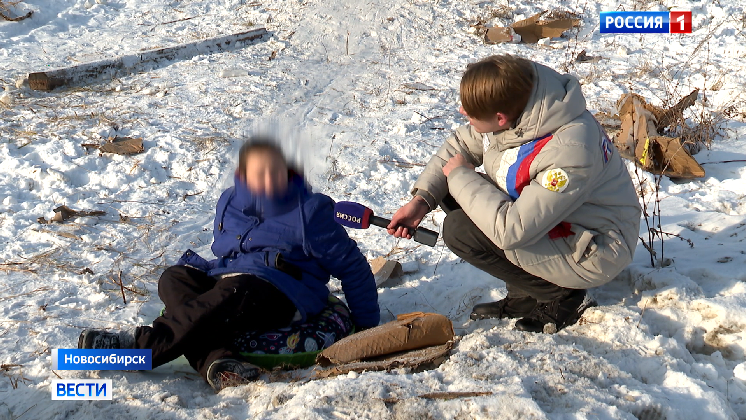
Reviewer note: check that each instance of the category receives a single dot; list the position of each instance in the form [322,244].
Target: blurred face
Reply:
[498,122]
[266,173]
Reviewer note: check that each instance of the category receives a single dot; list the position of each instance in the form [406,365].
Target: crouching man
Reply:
[556,212]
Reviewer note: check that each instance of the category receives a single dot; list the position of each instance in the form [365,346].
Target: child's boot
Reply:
[224,373]
[97,339]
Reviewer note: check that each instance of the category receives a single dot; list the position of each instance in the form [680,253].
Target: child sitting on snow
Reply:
[276,244]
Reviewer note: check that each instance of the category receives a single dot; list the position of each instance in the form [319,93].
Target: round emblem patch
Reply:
[555,180]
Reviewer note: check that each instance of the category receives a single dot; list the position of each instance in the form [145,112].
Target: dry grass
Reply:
[208,144]
[697,126]
[561,14]
[708,126]
[37,290]
[502,11]
[139,274]
[50,259]
[647,4]
[574,45]
[14,374]
[647,68]
[700,125]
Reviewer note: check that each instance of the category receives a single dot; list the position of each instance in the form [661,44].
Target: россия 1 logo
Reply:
[646,22]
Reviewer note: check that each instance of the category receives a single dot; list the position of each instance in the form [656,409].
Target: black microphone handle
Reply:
[379,221]
[421,235]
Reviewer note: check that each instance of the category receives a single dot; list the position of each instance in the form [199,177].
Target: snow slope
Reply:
[368,91]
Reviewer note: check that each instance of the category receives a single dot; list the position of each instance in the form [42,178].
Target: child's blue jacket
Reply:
[250,231]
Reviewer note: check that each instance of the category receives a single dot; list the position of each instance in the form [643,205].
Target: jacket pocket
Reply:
[582,243]
[609,257]
[194,260]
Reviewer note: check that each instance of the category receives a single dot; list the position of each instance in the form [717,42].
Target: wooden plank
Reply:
[143,61]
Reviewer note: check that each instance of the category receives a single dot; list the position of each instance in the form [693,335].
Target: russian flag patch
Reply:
[606,148]
[513,173]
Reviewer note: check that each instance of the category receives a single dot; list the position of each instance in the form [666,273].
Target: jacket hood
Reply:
[555,100]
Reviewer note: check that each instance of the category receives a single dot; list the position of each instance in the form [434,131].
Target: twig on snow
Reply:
[174,21]
[453,395]
[121,286]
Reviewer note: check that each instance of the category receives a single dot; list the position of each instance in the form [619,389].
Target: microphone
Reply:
[357,216]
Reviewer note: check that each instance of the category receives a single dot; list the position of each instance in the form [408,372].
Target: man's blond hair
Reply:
[499,83]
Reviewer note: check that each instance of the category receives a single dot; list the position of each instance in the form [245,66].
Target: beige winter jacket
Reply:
[561,202]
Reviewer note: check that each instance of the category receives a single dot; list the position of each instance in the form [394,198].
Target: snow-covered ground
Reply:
[341,78]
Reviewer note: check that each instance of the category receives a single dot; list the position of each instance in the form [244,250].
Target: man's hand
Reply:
[455,162]
[408,217]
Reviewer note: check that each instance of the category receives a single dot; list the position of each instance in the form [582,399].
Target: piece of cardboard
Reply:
[532,29]
[63,213]
[638,125]
[624,140]
[583,57]
[123,146]
[383,270]
[663,117]
[409,331]
[417,360]
[639,139]
[644,123]
[497,35]
[675,160]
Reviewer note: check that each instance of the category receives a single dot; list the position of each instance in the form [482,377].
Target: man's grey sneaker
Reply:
[504,308]
[223,373]
[97,339]
[550,317]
